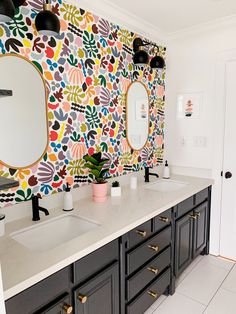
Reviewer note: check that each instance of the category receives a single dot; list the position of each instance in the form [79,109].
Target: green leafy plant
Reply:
[115,184]
[96,165]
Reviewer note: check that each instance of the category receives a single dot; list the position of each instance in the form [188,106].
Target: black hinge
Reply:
[221,174]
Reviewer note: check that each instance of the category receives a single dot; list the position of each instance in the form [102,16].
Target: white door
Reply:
[2,305]
[228,202]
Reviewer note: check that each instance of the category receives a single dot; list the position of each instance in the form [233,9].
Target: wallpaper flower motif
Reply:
[88,69]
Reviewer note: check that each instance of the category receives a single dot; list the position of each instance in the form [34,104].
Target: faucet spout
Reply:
[147,174]
[36,208]
[44,210]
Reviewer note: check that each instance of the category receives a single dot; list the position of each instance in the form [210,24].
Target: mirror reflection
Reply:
[137,111]
[23,115]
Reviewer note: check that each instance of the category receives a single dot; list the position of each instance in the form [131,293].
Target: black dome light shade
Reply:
[157,62]
[46,22]
[18,3]
[7,11]
[141,58]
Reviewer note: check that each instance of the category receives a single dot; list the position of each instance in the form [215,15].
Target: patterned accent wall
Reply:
[87,71]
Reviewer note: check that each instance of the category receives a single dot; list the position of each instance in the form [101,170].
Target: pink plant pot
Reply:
[99,192]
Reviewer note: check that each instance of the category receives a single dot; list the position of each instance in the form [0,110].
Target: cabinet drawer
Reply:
[139,234]
[95,261]
[162,220]
[147,250]
[185,206]
[40,294]
[147,274]
[154,291]
[201,196]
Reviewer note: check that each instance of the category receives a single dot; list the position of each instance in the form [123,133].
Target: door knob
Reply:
[228,175]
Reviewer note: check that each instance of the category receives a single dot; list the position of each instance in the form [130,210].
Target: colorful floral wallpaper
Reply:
[87,69]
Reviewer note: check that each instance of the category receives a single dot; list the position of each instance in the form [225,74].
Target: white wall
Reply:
[192,64]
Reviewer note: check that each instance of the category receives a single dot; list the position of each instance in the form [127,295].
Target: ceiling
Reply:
[175,15]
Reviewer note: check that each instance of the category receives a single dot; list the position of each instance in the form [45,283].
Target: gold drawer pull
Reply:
[154,247]
[153,294]
[68,309]
[82,298]
[141,233]
[153,270]
[164,219]
[198,214]
[193,216]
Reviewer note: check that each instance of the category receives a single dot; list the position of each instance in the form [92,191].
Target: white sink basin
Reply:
[166,185]
[50,234]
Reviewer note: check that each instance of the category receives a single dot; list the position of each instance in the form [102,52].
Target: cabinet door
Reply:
[183,243]
[100,295]
[200,228]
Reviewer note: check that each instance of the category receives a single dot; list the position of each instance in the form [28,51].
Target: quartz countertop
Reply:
[22,267]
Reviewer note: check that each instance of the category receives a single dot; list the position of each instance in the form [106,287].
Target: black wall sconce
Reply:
[46,22]
[141,56]
[8,8]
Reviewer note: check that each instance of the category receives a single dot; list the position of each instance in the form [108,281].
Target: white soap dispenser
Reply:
[68,199]
[166,172]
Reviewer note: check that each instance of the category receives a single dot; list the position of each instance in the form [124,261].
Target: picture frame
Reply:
[189,105]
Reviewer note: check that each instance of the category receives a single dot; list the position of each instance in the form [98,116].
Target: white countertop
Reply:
[22,268]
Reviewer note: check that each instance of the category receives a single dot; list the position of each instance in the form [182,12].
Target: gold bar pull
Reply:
[68,309]
[198,214]
[153,247]
[153,270]
[153,294]
[141,233]
[164,219]
[82,298]
[193,216]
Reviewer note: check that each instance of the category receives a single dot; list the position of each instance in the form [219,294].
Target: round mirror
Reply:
[137,111]
[23,112]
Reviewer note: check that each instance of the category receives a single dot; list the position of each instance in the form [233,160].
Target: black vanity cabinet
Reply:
[191,229]
[128,274]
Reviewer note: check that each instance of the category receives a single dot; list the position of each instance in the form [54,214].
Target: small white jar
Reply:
[116,191]
[2,225]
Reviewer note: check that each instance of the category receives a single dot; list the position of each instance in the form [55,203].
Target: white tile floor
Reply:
[207,286]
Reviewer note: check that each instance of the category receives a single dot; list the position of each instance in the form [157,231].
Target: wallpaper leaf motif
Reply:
[87,70]
[71,13]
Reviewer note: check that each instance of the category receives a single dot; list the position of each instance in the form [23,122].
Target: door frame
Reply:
[218,146]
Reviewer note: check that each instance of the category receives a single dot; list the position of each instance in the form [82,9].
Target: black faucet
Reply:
[36,208]
[147,174]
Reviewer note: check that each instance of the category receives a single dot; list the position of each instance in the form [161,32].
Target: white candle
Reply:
[133,183]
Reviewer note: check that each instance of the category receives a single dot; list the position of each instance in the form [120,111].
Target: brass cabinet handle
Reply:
[153,294]
[82,298]
[153,270]
[198,214]
[141,233]
[164,219]
[67,308]
[153,247]
[193,216]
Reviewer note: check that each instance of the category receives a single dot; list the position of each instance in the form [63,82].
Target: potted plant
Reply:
[115,189]
[96,165]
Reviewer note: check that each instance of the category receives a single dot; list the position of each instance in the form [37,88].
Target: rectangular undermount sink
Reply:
[166,185]
[50,234]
